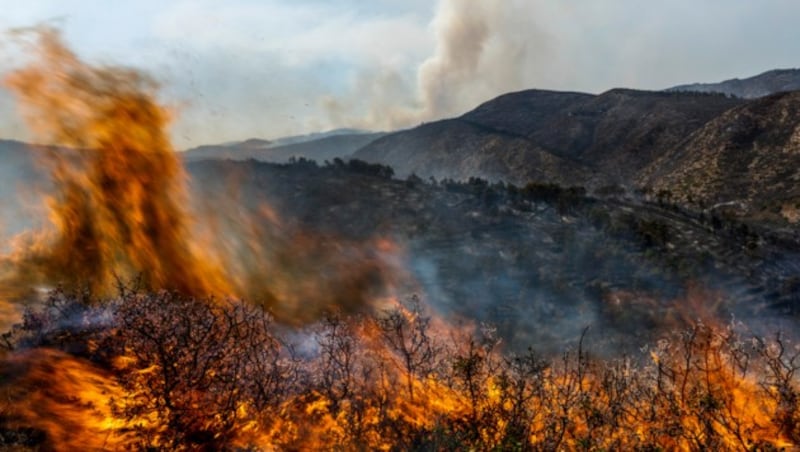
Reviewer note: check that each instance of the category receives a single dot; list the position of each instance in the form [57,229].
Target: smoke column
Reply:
[483,48]
[462,29]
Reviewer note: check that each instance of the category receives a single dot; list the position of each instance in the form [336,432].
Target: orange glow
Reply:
[119,209]
[369,386]
[66,397]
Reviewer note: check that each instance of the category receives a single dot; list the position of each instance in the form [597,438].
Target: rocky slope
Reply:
[747,160]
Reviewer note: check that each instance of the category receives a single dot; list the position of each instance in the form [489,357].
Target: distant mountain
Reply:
[563,137]
[320,147]
[701,150]
[294,139]
[747,161]
[769,82]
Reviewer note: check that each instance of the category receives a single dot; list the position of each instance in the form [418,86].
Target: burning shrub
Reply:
[163,370]
[407,333]
[198,370]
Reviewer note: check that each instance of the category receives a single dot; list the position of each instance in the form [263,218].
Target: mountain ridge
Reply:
[317,147]
[607,138]
[764,84]
[696,148]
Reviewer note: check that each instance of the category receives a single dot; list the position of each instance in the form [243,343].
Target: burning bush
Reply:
[196,370]
[185,373]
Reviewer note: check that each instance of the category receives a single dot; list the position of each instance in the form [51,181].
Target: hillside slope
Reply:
[460,149]
[539,265]
[546,136]
[747,159]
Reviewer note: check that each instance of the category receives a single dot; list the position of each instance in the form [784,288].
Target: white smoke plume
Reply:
[462,30]
[483,48]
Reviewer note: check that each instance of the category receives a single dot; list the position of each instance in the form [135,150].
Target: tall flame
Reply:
[119,209]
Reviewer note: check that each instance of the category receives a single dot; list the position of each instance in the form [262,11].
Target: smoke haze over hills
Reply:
[266,69]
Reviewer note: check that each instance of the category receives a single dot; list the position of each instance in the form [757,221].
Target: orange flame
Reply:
[398,380]
[63,396]
[119,211]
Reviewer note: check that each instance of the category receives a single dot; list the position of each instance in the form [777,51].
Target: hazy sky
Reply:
[268,68]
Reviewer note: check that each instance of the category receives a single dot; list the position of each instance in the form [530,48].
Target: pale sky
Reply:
[238,69]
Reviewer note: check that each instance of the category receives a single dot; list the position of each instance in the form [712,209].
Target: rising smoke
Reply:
[462,30]
[483,48]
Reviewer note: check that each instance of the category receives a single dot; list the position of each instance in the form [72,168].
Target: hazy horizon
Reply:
[269,69]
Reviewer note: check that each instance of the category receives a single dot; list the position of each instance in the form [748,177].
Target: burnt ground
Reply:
[540,262]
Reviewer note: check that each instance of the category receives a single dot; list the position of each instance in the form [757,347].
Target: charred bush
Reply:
[565,199]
